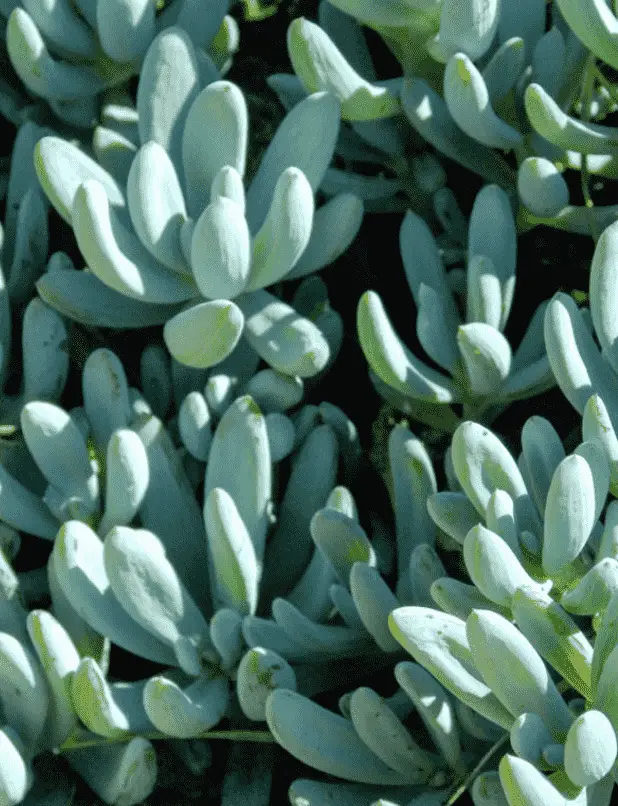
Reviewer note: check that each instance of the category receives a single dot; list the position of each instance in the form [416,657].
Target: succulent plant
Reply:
[146,588]
[586,374]
[480,80]
[182,256]
[70,53]
[484,373]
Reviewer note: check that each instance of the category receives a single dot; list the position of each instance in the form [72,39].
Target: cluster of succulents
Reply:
[200,513]
[480,82]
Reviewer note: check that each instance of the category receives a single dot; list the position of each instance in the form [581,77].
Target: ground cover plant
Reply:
[309,431]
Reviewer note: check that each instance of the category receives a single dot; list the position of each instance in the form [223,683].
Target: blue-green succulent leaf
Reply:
[317,460]
[569,513]
[112,710]
[503,69]
[558,638]
[186,713]
[59,658]
[390,13]
[320,65]
[522,683]
[170,510]
[453,513]
[204,334]
[492,213]
[548,61]
[526,21]
[169,83]
[240,463]
[286,231]
[24,694]
[468,101]
[372,600]
[564,131]
[281,435]
[392,361]
[421,257]
[324,641]
[486,355]
[487,790]
[500,518]
[201,21]
[43,75]
[342,540]
[543,453]
[15,775]
[61,168]
[126,479]
[596,425]
[215,135]
[604,292]
[287,341]
[434,707]
[593,452]
[221,250]
[493,566]
[125,28]
[529,736]
[114,153]
[606,641]
[106,395]
[118,773]
[590,748]
[84,298]
[595,25]
[77,558]
[459,599]
[348,35]
[439,643]
[259,672]
[385,735]
[194,425]
[541,187]
[228,182]
[575,359]
[57,445]
[117,257]
[429,115]
[413,480]
[61,26]
[306,140]
[367,188]
[325,741]
[436,324]
[30,246]
[469,29]
[425,567]
[235,564]
[226,636]
[146,585]
[524,785]
[156,205]
[594,590]
[275,392]
[483,464]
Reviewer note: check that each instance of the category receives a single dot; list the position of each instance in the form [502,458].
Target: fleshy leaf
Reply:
[203,335]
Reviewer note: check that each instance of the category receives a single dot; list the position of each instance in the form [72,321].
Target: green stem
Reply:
[471,776]
[260,736]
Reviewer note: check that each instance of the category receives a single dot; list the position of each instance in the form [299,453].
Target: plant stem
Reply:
[259,736]
[472,775]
